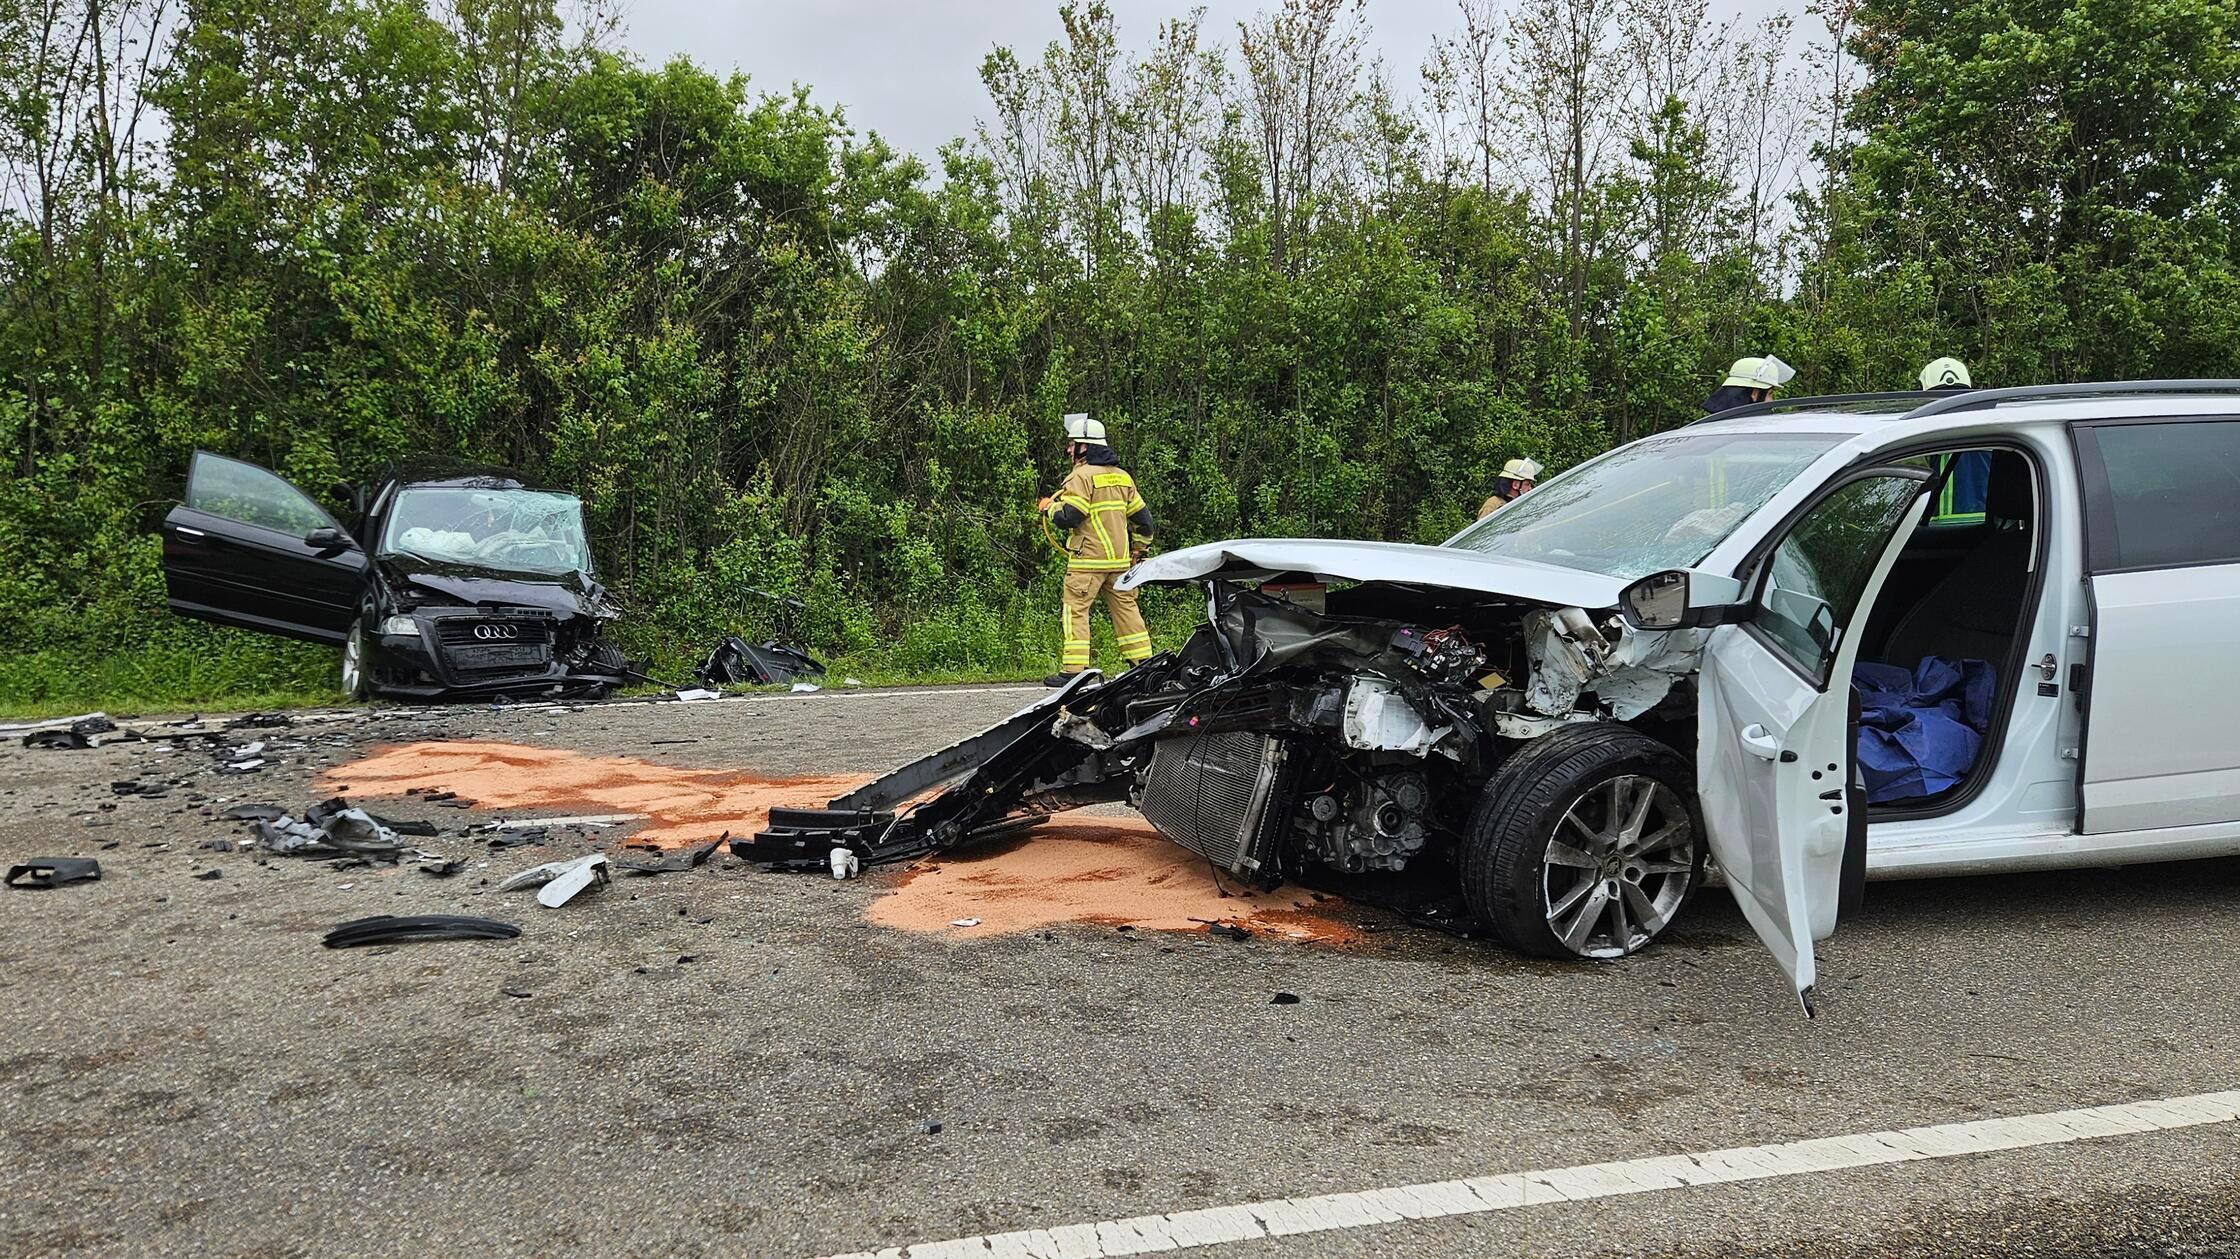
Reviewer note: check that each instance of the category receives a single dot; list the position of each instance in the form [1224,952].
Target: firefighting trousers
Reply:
[1082,590]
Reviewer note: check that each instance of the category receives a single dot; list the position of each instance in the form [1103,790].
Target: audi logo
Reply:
[492,632]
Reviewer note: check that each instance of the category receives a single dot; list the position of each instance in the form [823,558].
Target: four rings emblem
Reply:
[492,631]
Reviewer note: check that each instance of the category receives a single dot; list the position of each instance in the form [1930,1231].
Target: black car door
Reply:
[237,551]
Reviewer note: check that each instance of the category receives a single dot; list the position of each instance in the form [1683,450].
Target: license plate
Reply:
[498,655]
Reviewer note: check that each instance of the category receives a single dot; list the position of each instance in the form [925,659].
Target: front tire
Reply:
[1586,843]
[356,669]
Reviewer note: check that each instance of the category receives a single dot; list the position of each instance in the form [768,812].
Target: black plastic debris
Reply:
[260,721]
[78,734]
[134,787]
[736,660]
[676,861]
[254,813]
[443,869]
[1227,931]
[1284,998]
[211,873]
[42,873]
[413,929]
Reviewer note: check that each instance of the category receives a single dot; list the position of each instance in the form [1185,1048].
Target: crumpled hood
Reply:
[573,595]
[1249,559]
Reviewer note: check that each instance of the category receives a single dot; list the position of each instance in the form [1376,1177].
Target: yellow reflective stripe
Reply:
[1084,564]
[1077,502]
[1135,640]
[1134,504]
[1103,479]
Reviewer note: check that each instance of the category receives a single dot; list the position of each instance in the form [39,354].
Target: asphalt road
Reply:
[183,1069]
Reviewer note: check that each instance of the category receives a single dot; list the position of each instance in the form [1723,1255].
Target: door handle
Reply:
[1760,743]
[191,535]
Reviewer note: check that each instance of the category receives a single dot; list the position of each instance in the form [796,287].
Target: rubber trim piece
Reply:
[388,929]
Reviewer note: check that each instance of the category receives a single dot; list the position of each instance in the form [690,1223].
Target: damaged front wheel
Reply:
[1586,843]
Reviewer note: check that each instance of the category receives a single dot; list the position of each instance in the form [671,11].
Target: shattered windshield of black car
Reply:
[1658,504]
[505,530]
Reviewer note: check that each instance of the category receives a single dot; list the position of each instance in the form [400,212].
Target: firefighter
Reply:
[1946,375]
[1108,527]
[1516,477]
[1749,380]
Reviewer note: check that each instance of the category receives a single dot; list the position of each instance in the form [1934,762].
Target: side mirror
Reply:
[328,540]
[1682,599]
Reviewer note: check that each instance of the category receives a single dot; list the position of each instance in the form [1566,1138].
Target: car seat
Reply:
[1972,613]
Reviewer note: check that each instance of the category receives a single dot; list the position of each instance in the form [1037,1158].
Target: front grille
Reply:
[490,631]
[1214,793]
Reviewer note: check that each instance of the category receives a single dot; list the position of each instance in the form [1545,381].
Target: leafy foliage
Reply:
[774,355]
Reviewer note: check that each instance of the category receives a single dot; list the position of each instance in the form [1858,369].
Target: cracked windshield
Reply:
[514,531]
[1648,507]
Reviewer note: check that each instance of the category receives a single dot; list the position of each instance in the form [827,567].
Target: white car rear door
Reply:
[1774,710]
[2162,543]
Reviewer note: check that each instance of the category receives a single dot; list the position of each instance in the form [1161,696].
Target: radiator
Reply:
[1220,796]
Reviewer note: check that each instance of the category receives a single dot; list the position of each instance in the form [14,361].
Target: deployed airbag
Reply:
[1920,730]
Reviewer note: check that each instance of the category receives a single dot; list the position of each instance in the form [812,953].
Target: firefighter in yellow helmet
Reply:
[1516,477]
[1108,526]
[1749,380]
[1946,375]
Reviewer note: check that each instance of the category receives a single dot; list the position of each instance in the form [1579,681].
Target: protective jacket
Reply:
[1104,515]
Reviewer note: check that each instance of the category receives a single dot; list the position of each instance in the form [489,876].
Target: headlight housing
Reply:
[401,625]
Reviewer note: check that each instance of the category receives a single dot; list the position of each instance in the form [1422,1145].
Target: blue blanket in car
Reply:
[1920,730]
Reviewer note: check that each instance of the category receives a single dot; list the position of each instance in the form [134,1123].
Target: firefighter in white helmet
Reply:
[1749,380]
[1946,375]
[1516,477]
[1107,526]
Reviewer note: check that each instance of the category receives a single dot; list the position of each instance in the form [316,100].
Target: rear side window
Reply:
[247,493]
[2162,494]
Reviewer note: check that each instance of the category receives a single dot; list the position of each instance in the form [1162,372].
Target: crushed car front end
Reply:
[482,588]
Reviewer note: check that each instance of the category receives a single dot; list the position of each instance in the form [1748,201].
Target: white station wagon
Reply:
[1815,641]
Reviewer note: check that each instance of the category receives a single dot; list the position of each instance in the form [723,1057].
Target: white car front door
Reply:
[1774,710]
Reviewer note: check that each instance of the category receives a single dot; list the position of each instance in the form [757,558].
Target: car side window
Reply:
[1814,578]
[247,493]
[2168,493]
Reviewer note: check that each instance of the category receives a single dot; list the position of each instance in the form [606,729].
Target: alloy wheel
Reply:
[354,663]
[1618,866]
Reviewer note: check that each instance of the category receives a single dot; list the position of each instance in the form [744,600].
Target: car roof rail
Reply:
[1976,399]
[1810,402]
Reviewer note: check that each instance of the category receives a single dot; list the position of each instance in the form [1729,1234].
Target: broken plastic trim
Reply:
[388,929]
[43,873]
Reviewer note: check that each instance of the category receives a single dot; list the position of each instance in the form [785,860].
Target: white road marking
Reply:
[1281,1217]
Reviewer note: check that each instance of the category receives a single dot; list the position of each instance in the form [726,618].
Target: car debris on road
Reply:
[416,928]
[43,873]
[559,881]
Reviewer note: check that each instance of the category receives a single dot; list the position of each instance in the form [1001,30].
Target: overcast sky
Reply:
[910,69]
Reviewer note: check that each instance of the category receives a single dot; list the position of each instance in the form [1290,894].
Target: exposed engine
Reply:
[1281,737]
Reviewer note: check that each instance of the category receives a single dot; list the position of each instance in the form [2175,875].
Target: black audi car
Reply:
[450,584]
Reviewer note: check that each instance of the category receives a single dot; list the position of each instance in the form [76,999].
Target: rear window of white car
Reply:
[2162,494]
[1660,503]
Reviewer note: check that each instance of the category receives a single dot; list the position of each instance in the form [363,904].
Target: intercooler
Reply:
[1221,796]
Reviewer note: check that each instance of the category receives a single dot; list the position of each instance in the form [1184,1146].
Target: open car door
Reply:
[246,548]
[1774,714]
